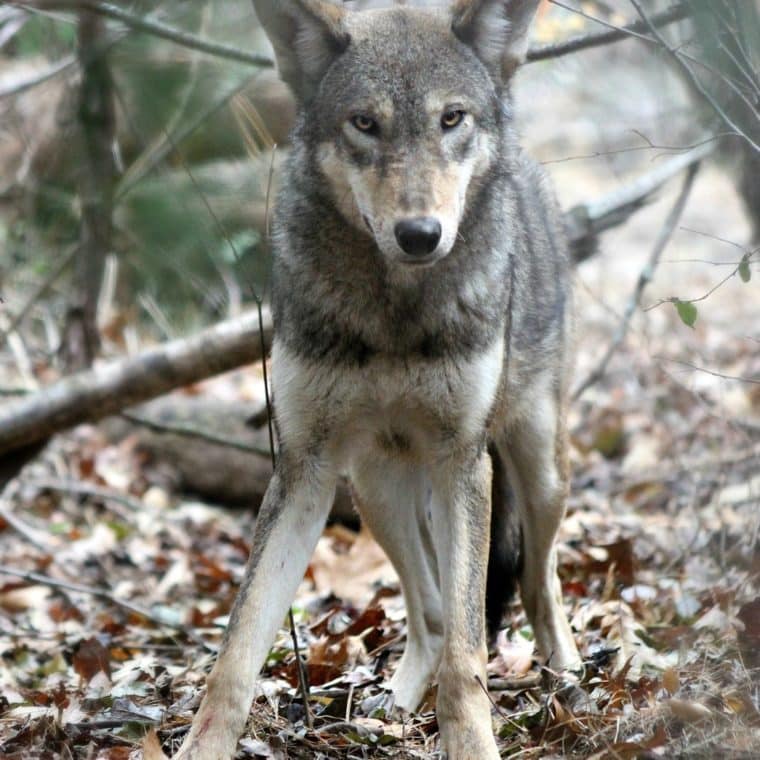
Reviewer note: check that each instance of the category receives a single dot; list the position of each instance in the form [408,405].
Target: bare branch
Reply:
[100,593]
[674,299]
[61,266]
[78,488]
[615,34]
[158,29]
[27,84]
[693,78]
[190,431]
[587,221]
[228,52]
[714,373]
[645,277]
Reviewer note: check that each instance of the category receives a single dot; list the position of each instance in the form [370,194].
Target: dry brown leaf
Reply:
[689,712]
[91,658]
[350,574]
[671,681]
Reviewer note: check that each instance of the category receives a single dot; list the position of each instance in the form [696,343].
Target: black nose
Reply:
[420,236]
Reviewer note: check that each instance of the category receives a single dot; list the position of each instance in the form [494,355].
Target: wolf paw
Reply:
[468,744]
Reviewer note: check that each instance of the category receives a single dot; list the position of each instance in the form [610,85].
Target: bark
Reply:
[91,395]
[97,120]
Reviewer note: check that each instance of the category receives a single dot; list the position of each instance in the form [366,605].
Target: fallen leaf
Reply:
[689,712]
[91,658]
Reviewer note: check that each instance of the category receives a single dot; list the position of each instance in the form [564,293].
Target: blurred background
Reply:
[140,146]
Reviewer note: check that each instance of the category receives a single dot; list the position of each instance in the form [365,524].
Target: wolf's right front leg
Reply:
[291,519]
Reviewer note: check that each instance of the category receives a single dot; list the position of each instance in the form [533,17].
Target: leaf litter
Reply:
[658,561]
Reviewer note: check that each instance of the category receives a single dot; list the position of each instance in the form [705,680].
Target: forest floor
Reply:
[127,585]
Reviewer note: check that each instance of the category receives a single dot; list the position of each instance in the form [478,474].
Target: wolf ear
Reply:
[497,30]
[307,35]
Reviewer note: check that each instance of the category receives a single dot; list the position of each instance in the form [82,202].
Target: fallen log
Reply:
[216,450]
[110,387]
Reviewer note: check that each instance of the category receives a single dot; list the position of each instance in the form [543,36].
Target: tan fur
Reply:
[426,187]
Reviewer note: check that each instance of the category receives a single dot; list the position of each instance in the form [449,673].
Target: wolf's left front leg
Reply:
[291,519]
[461,525]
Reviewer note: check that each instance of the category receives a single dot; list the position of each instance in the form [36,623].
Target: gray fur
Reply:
[405,373]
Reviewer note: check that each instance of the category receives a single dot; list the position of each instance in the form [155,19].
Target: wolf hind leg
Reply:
[505,553]
[535,450]
[394,501]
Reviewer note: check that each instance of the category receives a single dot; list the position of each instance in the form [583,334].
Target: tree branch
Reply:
[100,593]
[586,221]
[693,78]
[614,34]
[158,29]
[93,394]
[228,52]
[645,277]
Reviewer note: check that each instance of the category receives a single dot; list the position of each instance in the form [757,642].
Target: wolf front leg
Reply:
[291,519]
[461,528]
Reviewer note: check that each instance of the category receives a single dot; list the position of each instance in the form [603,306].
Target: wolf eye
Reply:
[452,119]
[365,124]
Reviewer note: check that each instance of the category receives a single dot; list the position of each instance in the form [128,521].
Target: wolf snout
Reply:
[419,236]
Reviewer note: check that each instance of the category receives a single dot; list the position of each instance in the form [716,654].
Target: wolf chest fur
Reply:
[422,344]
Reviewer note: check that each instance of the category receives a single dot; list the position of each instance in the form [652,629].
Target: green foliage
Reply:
[42,35]
[744,269]
[687,311]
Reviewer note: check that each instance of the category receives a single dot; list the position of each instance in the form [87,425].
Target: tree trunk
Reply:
[81,341]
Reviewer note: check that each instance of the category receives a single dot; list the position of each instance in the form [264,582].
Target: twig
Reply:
[177,118]
[714,373]
[649,145]
[674,299]
[35,537]
[586,221]
[303,683]
[100,593]
[78,488]
[158,29]
[193,432]
[170,138]
[27,84]
[513,684]
[625,30]
[692,77]
[583,42]
[40,291]
[498,709]
[645,277]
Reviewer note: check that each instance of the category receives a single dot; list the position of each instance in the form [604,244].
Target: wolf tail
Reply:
[505,558]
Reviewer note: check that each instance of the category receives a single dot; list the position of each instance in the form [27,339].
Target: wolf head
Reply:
[401,108]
